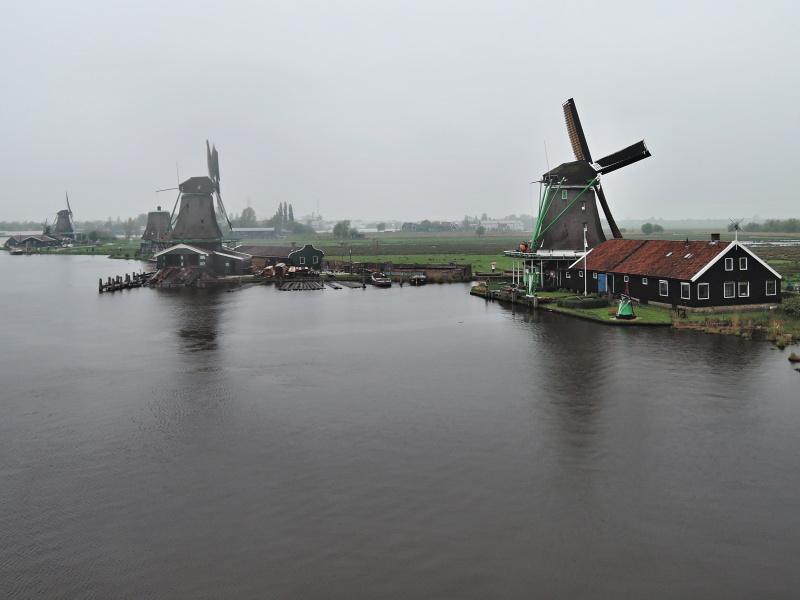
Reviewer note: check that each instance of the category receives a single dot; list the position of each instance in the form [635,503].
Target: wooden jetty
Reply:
[120,282]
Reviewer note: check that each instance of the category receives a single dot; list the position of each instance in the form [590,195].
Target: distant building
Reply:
[254,233]
[501,225]
[694,274]
[31,241]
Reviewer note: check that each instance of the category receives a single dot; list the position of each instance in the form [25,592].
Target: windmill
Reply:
[567,201]
[196,221]
[63,225]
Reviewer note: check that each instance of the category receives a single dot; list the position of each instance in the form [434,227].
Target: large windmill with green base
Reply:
[568,221]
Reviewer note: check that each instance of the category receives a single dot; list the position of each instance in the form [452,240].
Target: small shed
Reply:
[307,256]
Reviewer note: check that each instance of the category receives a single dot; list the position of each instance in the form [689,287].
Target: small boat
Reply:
[418,279]
[16,251]
[794,358]
[380,280]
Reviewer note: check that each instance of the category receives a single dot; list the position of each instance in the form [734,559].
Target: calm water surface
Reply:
[402,443]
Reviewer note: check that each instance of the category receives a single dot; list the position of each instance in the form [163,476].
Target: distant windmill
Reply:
[64,221]
[568,202]
[736,227]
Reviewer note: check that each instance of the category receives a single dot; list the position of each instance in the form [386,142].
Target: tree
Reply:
[480,230]
[647,228]
[484,217]
[341,230]
[291,214]
[129,225]
[381,226]
[657,228]
[248,218]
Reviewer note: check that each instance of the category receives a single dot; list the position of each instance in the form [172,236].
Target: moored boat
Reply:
[380,280]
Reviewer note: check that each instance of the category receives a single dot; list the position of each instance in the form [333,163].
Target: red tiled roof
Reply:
[606,256]
[656,258]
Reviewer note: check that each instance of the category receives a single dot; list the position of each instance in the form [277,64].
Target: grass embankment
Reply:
[121,249]
[645,315]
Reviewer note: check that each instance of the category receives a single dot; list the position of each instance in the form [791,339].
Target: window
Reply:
[564,194]
[625,278]
[729,264]
[569,275]
[583,205]
[744,289]
[743,263]
[302,260]
[729,289]
[315,260]
[702,291]
[594,275]
[581,273]
[644,280]
[663,288]
[668,253]
[772,287]
[686,291]
[689,255]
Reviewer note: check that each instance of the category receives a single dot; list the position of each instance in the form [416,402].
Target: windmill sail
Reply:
[576,136]
[623,158]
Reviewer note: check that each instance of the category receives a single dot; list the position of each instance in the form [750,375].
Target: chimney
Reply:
[714,237]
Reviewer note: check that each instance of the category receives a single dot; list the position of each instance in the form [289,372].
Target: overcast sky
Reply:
[404,110]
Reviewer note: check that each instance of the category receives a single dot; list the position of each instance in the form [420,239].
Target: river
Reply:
[400,443]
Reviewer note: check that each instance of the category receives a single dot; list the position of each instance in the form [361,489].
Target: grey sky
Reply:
[396,109]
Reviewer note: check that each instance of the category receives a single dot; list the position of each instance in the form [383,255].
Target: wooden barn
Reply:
[216,262]
[693,274]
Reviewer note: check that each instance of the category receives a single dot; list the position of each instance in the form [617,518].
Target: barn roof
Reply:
[658,258]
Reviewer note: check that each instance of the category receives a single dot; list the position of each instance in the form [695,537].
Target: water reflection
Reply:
[197,316]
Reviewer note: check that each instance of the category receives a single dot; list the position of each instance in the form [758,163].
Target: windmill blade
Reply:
[215,165]
[623,158]
[174,207]
[221,208]
[612,224]
[576,136]
[208,161]
[68,206]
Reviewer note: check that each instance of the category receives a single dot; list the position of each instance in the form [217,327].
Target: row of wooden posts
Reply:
[115,284]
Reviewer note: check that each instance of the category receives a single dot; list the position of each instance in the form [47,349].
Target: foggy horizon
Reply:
[395,111]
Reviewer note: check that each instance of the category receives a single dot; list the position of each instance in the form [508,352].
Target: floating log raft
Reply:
[298,286]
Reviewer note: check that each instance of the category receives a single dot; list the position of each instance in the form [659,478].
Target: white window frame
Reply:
[739,289]
[666,283]
[568,275]
[580,273]
[565,194]
[625,278]
[725,289]
[743,261]
[594,275]
[315,260]
[302,260]
[644,280]
[688,288]
[774,283]
[729,263]
[583,204]
[700,288]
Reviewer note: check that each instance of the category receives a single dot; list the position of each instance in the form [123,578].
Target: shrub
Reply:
[791,306]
